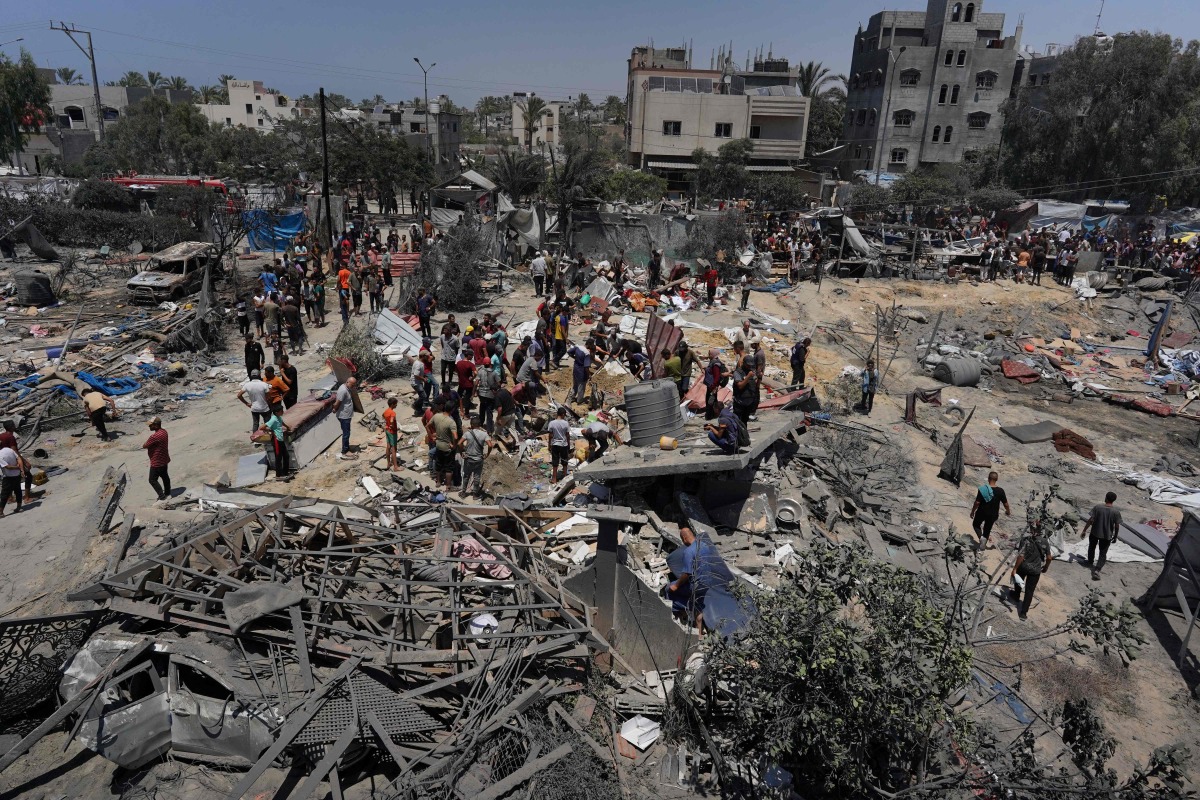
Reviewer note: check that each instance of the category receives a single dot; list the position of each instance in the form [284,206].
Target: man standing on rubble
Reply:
[487,381]
[1033,559]
[655,269]
[560,444]
[714,380]
[870,382]
[445,442]
[798,360]
[344,409]
[746,335]
[986,509]
[426,306]
[475,445]
[291,377]
[156,449]
[711,276]
[581,371]
[745,385]
[1105,525]
[255,389]
[687,361]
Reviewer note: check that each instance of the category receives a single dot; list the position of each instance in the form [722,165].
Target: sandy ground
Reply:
[1146,705]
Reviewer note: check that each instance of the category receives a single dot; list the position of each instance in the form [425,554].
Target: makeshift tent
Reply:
[266,230]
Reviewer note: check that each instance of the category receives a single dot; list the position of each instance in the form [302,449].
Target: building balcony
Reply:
[778,148]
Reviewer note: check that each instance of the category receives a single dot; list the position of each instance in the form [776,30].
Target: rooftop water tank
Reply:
[653,409]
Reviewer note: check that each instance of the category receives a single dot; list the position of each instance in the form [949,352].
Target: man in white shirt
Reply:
[10,477]
[747,335]
[253,395]
[537,270]
[560,444]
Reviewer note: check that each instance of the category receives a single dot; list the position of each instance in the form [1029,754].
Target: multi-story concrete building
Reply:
[545,129]
[250,105]
[673,109]
[414,125]
[75,124]
[925,87]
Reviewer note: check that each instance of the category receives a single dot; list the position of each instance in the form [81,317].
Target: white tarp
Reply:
[397,337]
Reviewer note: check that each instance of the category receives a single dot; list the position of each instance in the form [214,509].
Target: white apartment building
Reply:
[250,105]
[545,128]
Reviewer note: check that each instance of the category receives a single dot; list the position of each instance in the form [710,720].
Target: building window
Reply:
[962,58]
[756,131]
[723,130]
[949,133]
[870,154]
[937,132]
[878,77]
[672,128]
[942,95]
[903,119]
[260,123]
[1046,79]
[978,121]
[970,17]
[899,156]
[858,151]
[949,58]
[1033,80]
[985,80]
[954,95]
[872,118]
[72,117]
[229,121]
[861,117]
[414,127]
[910,77]
[854,81]
[110,114]
[956,12]
[249,108]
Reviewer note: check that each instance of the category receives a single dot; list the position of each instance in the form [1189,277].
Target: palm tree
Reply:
[532,108]
[155,80]
[518,174]
[69,76]
[813,76]
[583,103]
[207,94]
[378,100]
[575,180]
[132,78]
[179,83]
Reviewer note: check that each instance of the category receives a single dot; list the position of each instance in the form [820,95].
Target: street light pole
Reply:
[887,112]
[12,119]
[432,136]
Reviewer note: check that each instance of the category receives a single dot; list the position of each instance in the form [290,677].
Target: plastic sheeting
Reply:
[267,231]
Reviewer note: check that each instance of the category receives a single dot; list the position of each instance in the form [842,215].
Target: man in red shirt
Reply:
[710,281]
[464,368]
[391,433]
[156,448]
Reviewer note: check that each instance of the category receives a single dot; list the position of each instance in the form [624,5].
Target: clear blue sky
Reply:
[556,49]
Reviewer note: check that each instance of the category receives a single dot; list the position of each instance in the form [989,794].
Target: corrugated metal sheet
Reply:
[660,335]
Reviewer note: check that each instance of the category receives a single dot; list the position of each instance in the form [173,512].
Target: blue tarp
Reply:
[269,231]
[1177,228]
[1092,223]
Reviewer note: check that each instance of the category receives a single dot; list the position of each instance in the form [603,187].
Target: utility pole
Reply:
[91,57]
[432,136]
[325,176]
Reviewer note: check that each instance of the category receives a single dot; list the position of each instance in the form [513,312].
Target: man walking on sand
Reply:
[156,448]
[1105,524]
[1033,559]
[10,478]
[986,509]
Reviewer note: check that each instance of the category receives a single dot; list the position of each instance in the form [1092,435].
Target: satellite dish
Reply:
[135,248]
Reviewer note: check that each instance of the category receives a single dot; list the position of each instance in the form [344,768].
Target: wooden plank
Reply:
[530,770]
[306,675]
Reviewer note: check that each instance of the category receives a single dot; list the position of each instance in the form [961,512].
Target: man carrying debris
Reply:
[95,406]
[581,371]
[156,449]
[986,509]
[475,446]
[560,444]
[597,435]
[1105,524]
[798,360]
[344,409]
[1033,559]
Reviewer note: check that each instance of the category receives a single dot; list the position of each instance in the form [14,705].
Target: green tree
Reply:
[155,80]
[814,75]
[155,136]
[826,114]
[723,175]
[614,109]
[488,106]
[577,177]
[207,94]
[1120,115]
[69,76]
[531,109]
[583,103]
[177,83]
[24,102]
[518,174]
[132,79]
[782,192]
[103,196]
[633,186]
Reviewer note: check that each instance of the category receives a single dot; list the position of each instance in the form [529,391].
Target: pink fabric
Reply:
[469,548]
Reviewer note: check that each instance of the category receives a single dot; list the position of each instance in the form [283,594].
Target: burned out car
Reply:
[171,274]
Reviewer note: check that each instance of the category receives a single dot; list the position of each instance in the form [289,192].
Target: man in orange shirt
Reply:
[391,433]
[278,387]
[343,284]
